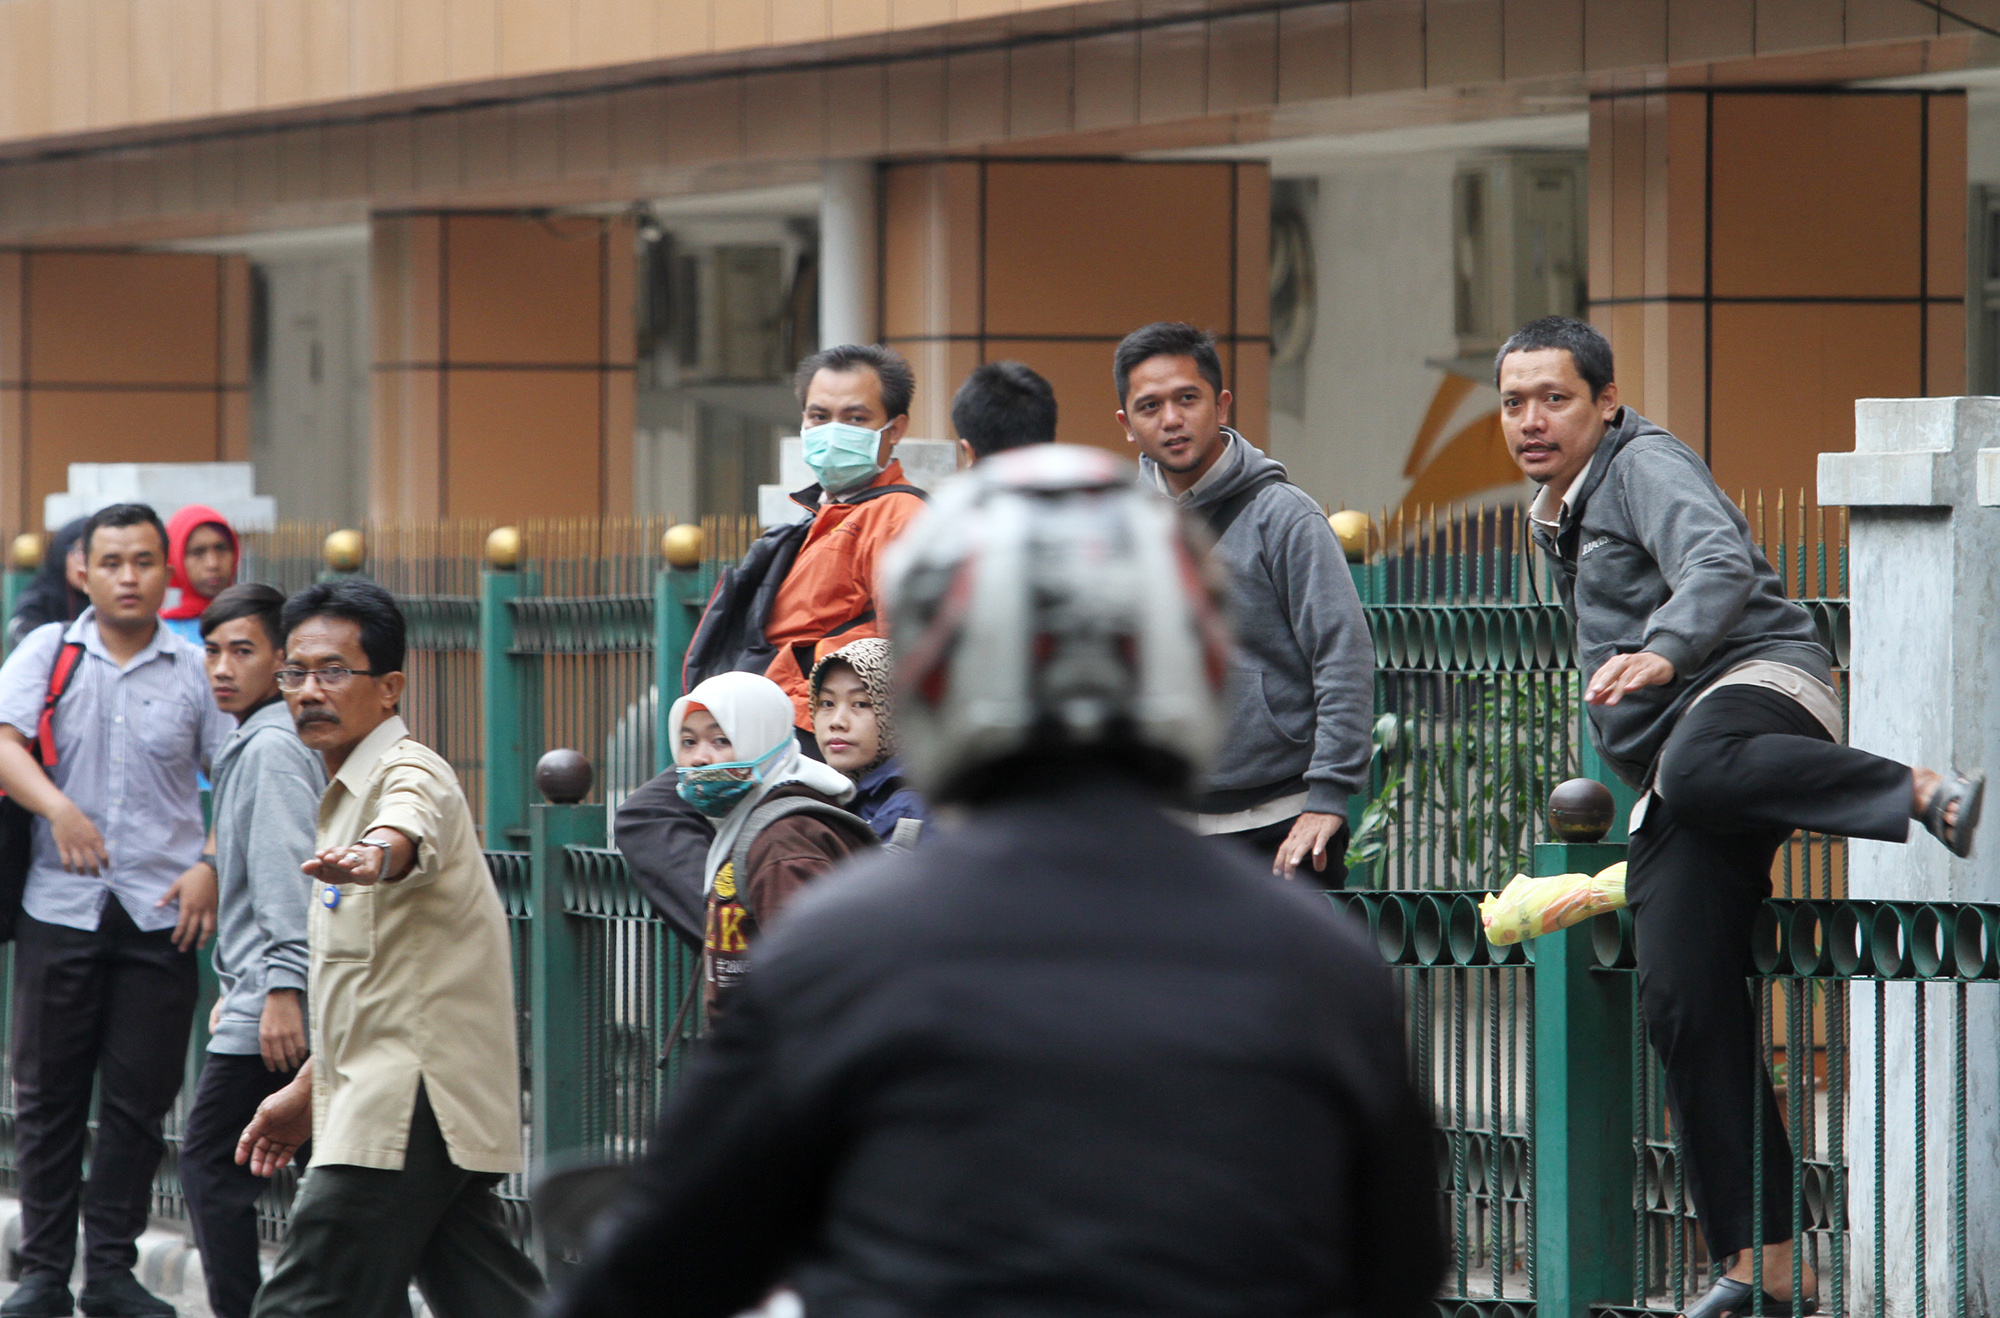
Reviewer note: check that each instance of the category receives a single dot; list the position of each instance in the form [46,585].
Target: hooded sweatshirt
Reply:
[183,611]
[267,790]
[1302,694]
[1653,556]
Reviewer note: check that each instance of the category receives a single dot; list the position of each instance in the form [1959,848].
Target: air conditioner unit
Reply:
[1518,229]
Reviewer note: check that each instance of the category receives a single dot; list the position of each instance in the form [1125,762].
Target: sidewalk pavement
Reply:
[169,1265]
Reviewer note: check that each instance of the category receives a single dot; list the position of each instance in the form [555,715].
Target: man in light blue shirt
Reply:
[118,897]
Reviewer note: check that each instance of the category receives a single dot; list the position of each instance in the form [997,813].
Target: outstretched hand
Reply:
[1623,674]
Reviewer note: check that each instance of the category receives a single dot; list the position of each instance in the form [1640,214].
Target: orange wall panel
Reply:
[1818,196]
[523,443]
[125,425]
[122,318]
[1090,247]
[523,292]
[1818,259]
[1785,382]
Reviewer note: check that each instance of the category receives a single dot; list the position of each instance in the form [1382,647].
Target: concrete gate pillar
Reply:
[1924,573]
[504,377]
[1051,262]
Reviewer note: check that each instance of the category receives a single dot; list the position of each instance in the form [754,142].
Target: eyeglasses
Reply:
[330,678]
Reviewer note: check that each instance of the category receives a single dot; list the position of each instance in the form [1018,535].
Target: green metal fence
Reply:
[1562,1180]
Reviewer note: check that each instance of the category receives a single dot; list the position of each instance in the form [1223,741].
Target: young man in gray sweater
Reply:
[1707,690]
[267,789]
[1302,697]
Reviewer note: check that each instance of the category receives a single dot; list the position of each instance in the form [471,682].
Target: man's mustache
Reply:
[306,716]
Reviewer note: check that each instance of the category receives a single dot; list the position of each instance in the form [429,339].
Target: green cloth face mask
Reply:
[842,456]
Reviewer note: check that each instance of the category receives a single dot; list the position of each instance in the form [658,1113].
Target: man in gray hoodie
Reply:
[267,789]
[1303,695]
[1707,690]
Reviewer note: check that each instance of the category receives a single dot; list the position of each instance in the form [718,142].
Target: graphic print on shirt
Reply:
[726,943]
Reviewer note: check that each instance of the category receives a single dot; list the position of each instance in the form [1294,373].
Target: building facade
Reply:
[423,259]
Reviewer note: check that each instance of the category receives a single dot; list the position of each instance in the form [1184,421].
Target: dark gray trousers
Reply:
[360,1235]
[112,1006]
[1742,770]
[221,1195]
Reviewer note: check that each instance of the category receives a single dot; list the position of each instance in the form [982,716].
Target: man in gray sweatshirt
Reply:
[1707,690]
[1302,697]
[266,807]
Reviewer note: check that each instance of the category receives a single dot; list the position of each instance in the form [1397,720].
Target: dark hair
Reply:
[1587,348]
[362,603]
[123,514]
[251,599]
[1166,338]
[1004,405]
[899,382]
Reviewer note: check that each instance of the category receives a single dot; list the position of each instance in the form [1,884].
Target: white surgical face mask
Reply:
[842,456]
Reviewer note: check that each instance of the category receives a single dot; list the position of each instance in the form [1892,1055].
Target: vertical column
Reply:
[113,356]
[1924,559]
[1053,262]
[1762,258]
[1583,1110]
[849,235]
[503,365]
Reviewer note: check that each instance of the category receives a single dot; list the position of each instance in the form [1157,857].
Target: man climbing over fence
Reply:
[1708,691]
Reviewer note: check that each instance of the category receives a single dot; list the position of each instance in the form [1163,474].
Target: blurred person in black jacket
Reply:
[1066,1057]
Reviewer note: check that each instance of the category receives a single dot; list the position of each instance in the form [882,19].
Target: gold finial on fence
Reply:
[1351,526]
[682,544]
[503,548]
[344,550]
[27,552]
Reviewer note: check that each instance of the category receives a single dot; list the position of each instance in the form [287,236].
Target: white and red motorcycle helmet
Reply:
[1046,602]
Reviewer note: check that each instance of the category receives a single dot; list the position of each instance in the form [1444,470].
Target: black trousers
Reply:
[111,1006]
[1263,843]
[221,1196]
[1744,769]
[359,1235]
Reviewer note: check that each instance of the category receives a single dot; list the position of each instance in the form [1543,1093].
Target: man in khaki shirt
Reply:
[412,1095]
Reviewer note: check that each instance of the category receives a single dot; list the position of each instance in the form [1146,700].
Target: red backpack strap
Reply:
[64,669]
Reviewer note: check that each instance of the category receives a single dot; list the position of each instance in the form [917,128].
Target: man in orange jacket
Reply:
[857,406]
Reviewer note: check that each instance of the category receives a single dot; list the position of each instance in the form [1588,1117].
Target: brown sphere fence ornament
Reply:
[503,548]
[564,776]
[344,550]
[1580,810]
[682,545]
[1351,528]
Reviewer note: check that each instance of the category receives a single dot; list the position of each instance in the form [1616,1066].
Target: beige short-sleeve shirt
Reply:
[412,980]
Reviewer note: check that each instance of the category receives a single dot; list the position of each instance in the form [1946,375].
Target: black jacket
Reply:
[1063,1059]
[665,843]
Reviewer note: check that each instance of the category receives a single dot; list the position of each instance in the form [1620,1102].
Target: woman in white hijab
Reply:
[733,740]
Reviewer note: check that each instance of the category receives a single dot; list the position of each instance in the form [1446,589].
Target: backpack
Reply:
[731,923]
[17,823]
[730,638]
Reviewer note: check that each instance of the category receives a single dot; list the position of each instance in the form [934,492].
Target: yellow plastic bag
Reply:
[1529,908]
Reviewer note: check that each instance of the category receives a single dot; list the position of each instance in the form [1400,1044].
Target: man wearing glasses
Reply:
[412,1094]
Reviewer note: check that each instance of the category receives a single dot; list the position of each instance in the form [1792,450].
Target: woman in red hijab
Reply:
[202,551]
